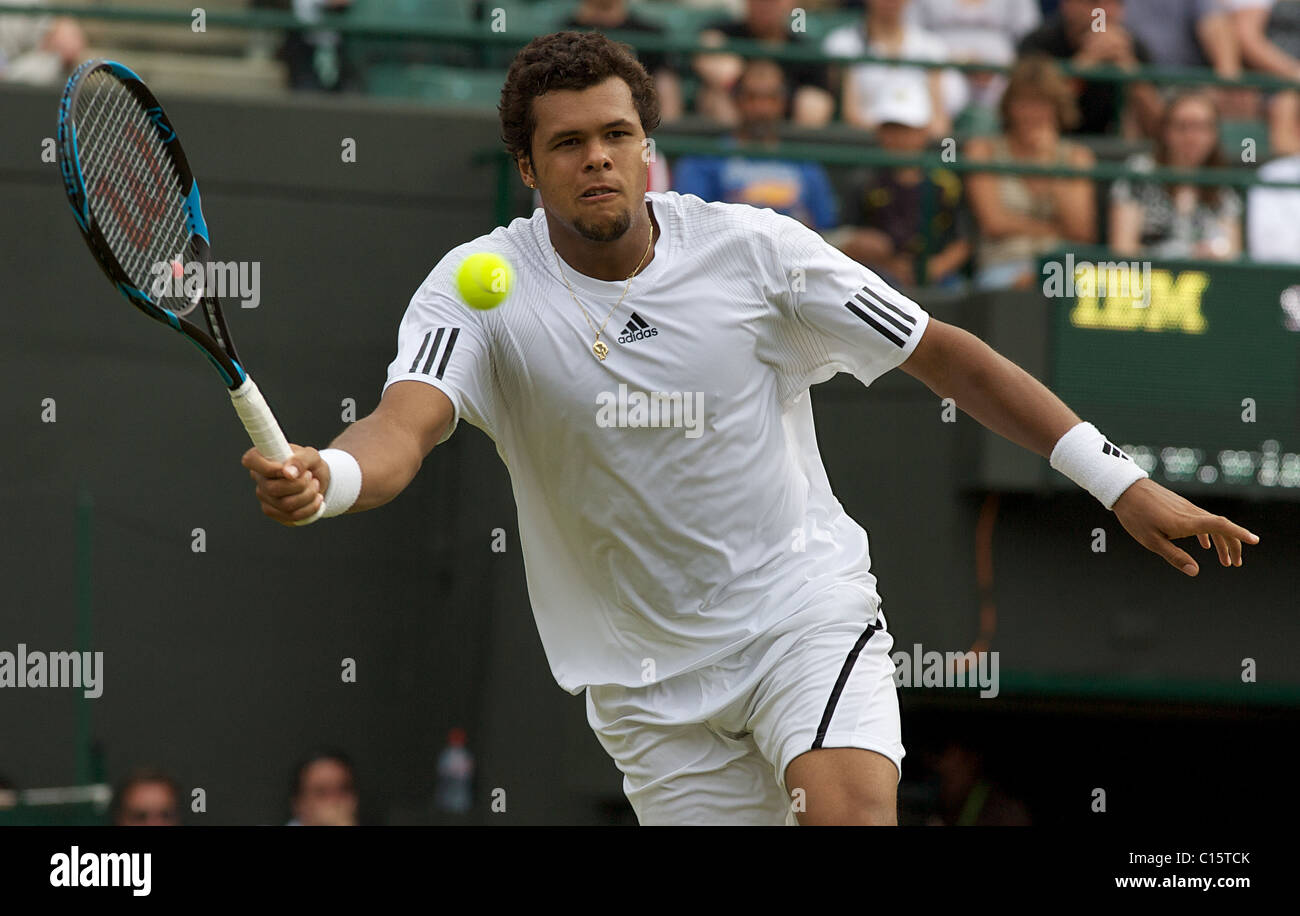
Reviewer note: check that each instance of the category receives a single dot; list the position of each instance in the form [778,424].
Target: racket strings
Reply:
[133,187]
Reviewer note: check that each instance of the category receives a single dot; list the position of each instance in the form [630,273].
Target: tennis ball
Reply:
[484,280]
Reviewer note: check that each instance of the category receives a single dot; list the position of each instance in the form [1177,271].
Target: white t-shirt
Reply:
[658,540]
[983,30]
[1273,233]
[872,80]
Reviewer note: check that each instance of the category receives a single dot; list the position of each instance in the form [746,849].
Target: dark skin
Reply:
[585,138]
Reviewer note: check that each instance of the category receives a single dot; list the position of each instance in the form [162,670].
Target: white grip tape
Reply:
[263,430]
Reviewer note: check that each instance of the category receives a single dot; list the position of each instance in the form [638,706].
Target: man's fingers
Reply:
[288,491]
[1176,557]
[308,510]
[1221,548]
[277,511]
[256,461]
[1204,539]
[280,488]
[1231,529]
[292,501]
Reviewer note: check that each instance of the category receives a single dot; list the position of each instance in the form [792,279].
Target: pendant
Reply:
[600,349]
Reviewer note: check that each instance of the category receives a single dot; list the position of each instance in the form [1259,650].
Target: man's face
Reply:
[327,796]
[148,804]
[604,11]
[900,138]
[584,138]
[760,99]
[768,17]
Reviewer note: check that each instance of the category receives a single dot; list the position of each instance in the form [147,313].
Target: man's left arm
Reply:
[1012,403]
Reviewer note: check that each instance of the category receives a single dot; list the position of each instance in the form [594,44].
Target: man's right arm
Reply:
[389,445]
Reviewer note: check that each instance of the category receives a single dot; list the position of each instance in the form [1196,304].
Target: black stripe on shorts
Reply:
[843,679]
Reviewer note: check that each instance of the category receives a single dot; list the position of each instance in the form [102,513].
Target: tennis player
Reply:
[646,383]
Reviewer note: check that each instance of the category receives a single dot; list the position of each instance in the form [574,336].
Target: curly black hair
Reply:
[568,60]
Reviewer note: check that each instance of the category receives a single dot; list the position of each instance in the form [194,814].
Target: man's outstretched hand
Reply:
[1155,515]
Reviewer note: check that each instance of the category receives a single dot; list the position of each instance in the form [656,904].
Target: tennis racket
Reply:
[137,206]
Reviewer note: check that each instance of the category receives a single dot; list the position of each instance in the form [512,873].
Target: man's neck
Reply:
[609,260]
[758,134]
[882,29]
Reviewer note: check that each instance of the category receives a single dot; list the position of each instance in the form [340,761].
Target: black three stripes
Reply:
[636,324]
[433,351]
[843,679]
[884,316]
[1108,449]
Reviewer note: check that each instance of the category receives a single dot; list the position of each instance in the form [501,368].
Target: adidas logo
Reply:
[637,329]
[1108,449]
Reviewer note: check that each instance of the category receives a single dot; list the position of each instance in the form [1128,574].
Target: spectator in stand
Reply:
[317,59]
[41,50]
[983,32]
[1268,32]
[1020,217]
[148,797]
[610,15]
[1091,33]
[1186,33]
[323,792]
[795,188]
[811,103]
[884,218]
[1274,230]
[1194,33]
[1181,220]
[968,797]
[885,32]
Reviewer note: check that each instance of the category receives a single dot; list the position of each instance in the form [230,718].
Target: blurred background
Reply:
[1104,190]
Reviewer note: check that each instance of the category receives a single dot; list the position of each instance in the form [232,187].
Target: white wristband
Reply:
[1092,461]
[345,481]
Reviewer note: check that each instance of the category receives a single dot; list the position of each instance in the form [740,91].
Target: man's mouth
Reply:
[598,193]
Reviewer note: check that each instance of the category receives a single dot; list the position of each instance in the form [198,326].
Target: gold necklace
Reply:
[600,348]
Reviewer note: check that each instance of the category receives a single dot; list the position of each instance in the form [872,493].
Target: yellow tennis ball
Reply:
[484,280]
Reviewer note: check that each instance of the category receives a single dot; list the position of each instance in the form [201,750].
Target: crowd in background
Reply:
[989,229]
[946,227]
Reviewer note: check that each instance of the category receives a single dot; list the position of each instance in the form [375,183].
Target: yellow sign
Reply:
[1117,298]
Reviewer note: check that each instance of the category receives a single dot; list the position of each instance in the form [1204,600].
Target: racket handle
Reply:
[262,428]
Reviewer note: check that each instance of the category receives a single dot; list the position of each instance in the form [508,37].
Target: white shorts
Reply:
[711,746]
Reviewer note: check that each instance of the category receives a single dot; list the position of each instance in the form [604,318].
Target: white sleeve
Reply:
[830,314]
[1271,230]
[442,343]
